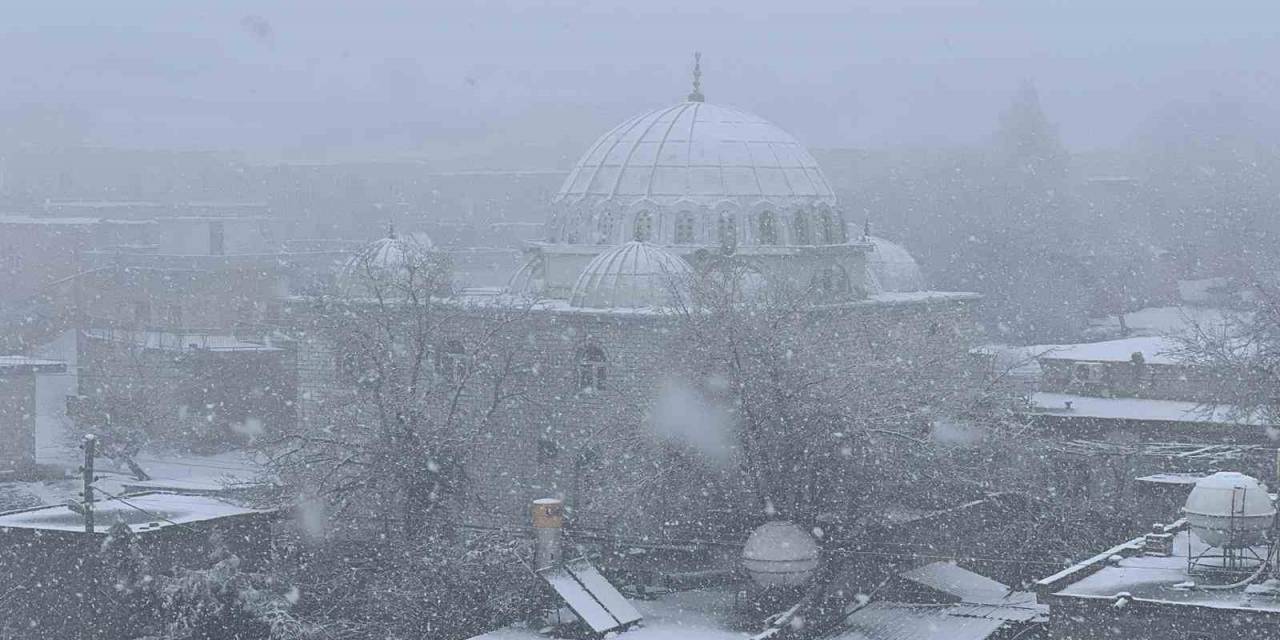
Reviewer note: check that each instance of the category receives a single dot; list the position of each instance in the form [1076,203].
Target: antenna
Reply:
[696,95]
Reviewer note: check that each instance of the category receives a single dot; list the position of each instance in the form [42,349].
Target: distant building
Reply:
[18,410]
[1134,389]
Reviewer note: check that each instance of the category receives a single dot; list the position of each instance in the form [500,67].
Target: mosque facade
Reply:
[656,200]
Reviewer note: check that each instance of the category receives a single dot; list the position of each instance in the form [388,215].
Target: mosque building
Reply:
[655,200]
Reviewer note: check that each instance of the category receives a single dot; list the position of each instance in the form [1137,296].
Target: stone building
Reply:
[592,313]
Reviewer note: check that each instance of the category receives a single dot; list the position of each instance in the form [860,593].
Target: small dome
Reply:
[631,275]
[388,260]
[780,554]
[529,280]
[1229,509]
[893,267]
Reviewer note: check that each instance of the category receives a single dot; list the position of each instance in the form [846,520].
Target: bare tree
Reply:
[828,398]
[415,396]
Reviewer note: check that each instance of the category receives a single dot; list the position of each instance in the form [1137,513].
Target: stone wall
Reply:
[551,438]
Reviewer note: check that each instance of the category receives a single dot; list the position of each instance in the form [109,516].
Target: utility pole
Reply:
[89,445]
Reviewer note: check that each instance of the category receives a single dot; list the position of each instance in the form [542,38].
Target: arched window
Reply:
[684,229]
[591,368]
[643,231]
[828,228]
[800,229]
[727,233]
[453,363]
[832,280]
[768,229]
[606,229]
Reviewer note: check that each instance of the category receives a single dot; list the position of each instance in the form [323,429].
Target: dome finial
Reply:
[866,227]
[391,229]
[696,95]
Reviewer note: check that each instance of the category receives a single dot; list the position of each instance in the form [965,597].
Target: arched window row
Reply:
[806,226]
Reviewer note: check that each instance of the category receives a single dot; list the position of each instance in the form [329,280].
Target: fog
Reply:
[325,80]
[658,320]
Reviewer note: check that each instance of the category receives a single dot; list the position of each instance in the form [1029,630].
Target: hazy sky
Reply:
[371,77]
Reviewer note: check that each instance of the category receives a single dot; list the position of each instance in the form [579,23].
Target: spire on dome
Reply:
[391,229]
[696,95]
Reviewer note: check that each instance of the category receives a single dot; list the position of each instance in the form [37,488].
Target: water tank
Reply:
[1229,510]
[780,554]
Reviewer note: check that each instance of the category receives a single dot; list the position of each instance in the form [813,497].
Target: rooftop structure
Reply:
[1145,588]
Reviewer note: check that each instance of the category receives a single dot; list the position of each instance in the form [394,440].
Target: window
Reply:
[217,239]
[453,362]
[800,228]
[591,368]
[643,227]
[141,313]
[727,233]
[606,229]
[173,316]
[768,230]
[684,229]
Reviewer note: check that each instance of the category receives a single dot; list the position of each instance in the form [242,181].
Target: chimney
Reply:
[548,519]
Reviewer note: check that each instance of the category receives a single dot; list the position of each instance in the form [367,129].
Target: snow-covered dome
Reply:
[893,267]
[530,279]
[1229,509]
[631,275]
[780,554]
[692,173]
[394,258]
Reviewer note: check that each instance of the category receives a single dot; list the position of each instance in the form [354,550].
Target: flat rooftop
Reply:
[1144,409]
[1152,578]
[24,364]
[142,512]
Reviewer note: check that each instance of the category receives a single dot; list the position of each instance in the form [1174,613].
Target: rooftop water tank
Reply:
[1229,510]
[780,554]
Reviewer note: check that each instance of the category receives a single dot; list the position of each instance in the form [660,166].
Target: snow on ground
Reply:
[704,614]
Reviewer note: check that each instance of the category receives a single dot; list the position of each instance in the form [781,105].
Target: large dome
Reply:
[698,152]
[632,275]
[681,174]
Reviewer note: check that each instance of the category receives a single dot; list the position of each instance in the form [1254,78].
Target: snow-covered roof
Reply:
[24,364]
[705,614]
[177,341]
[948,577]
[1153,578]
[144,512]
[697,153]
[67,221]
[899,621]
[892,266]
[1142,409]
[1154,350]
[631,275]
